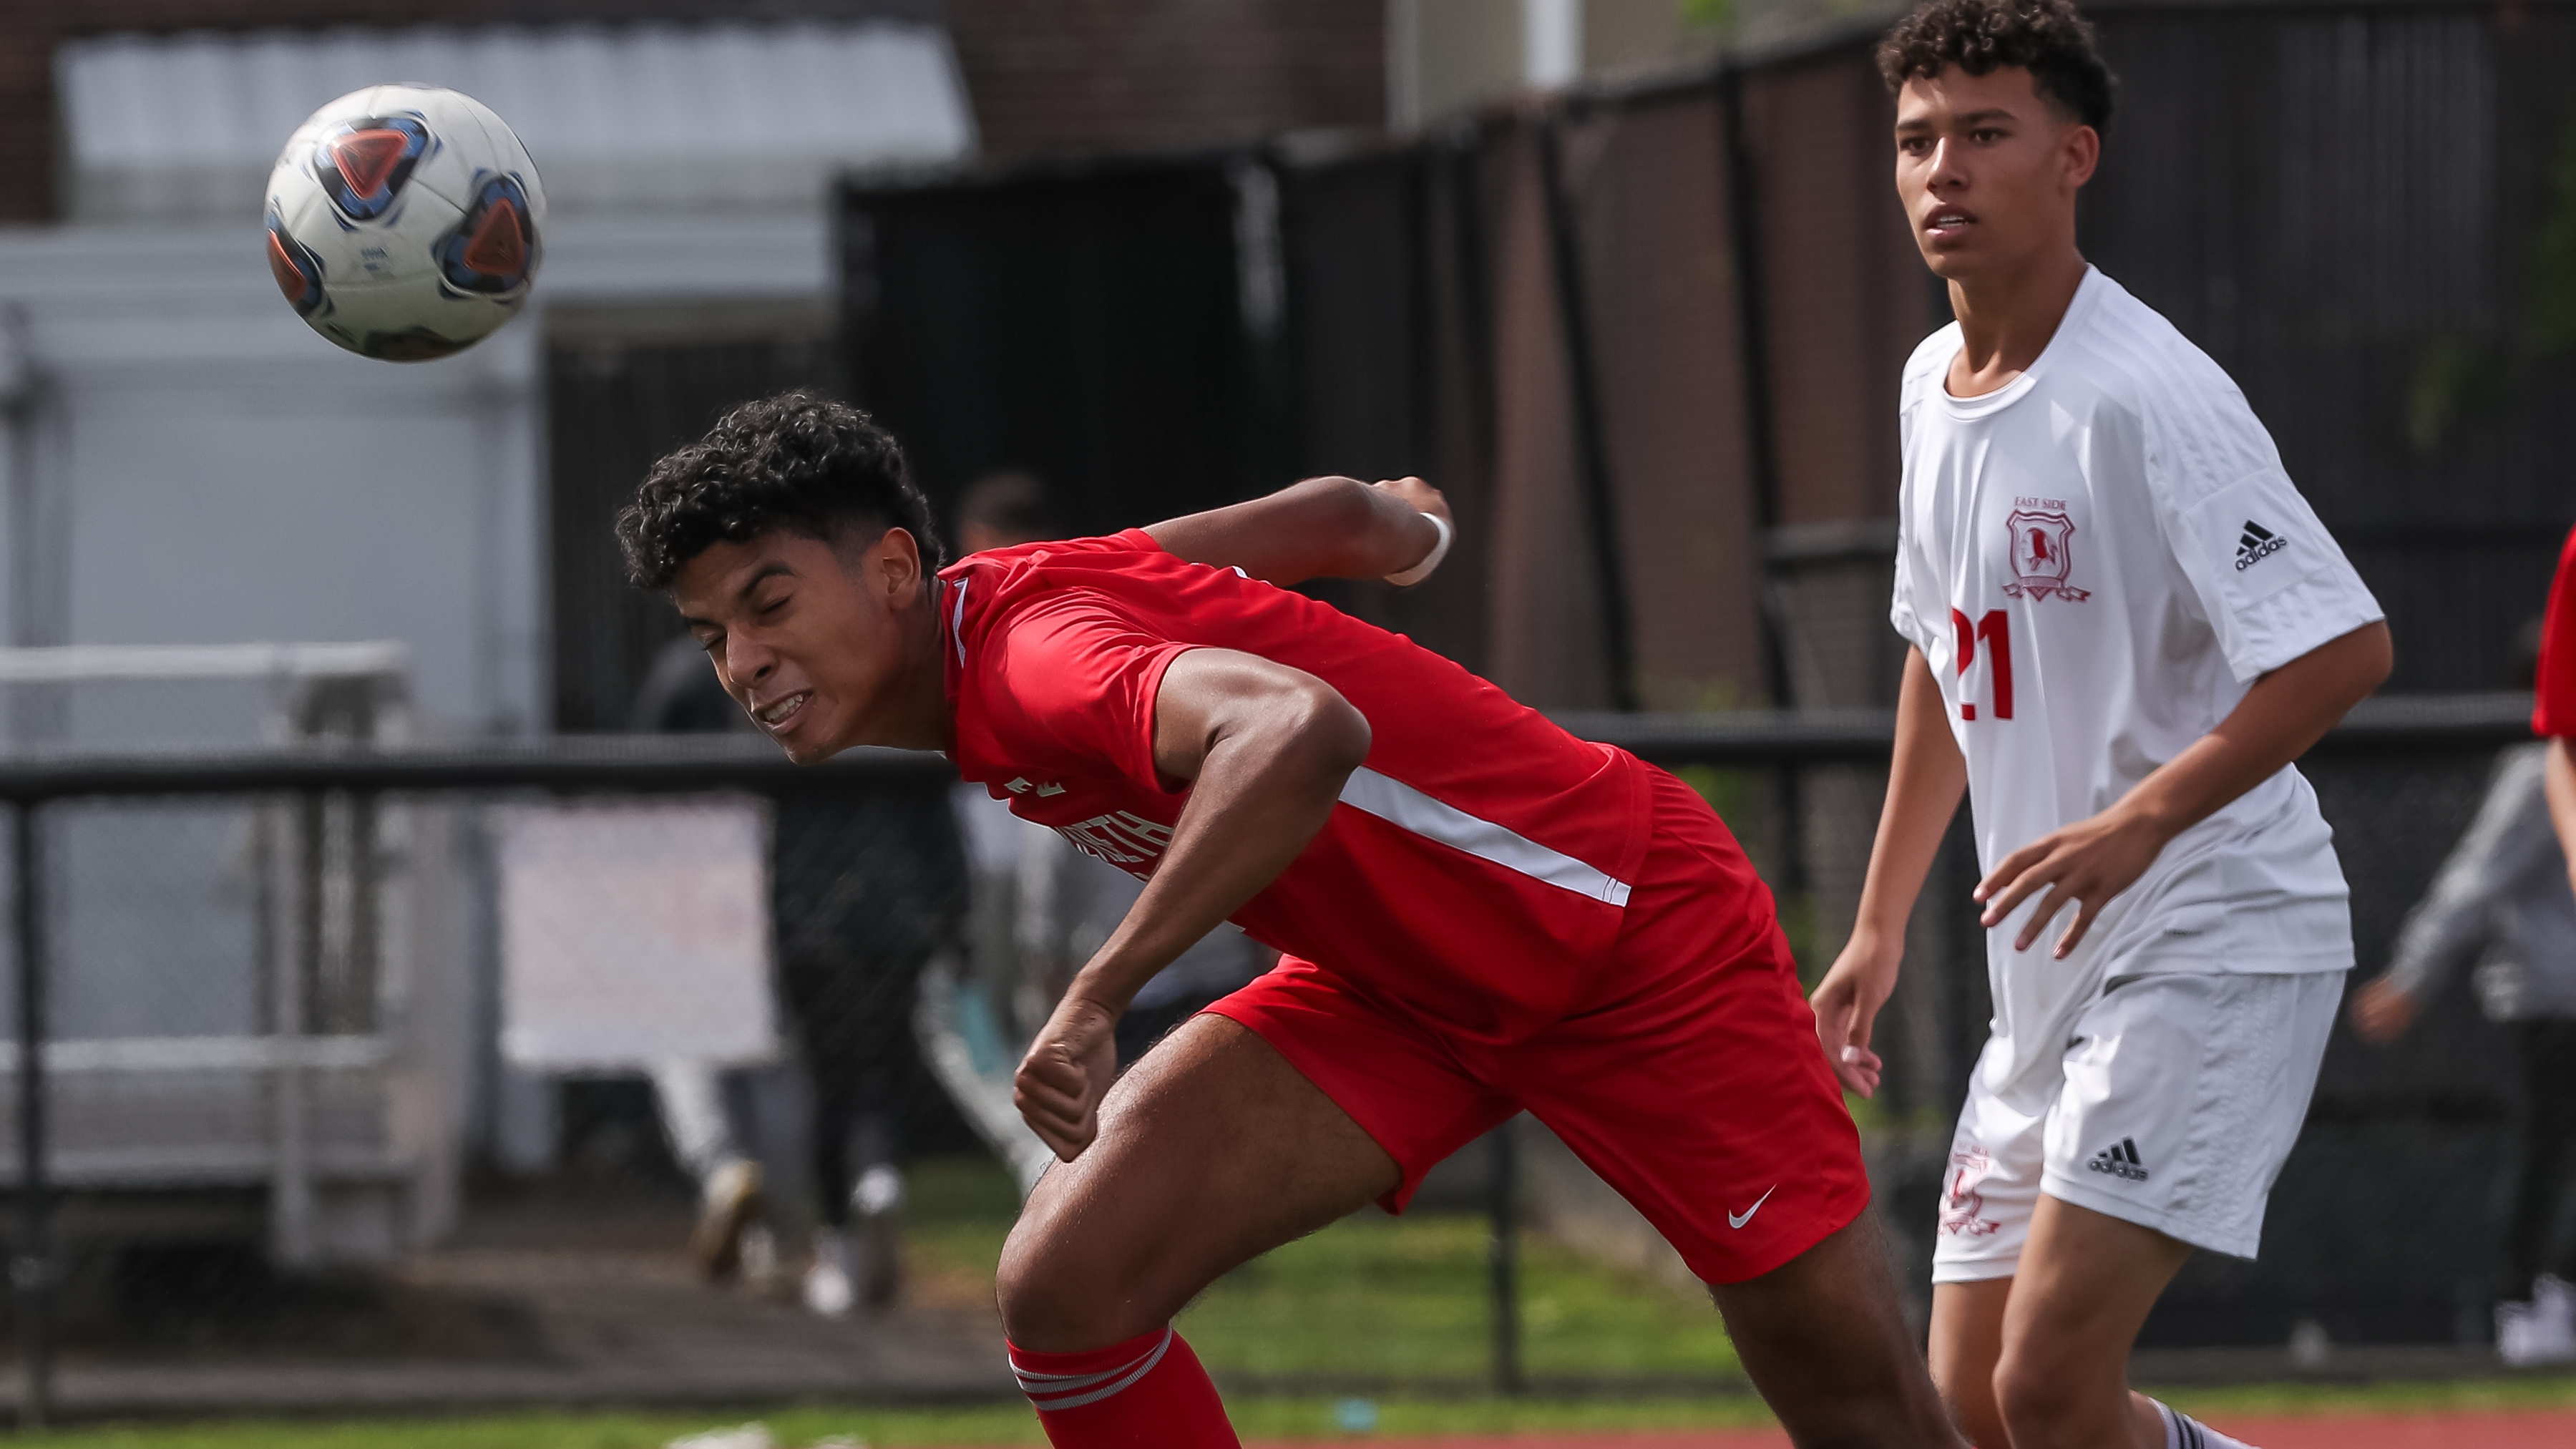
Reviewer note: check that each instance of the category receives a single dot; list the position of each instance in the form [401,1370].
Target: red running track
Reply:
[2537,1429]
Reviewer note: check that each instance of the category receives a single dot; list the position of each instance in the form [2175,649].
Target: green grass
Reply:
[2452,1396]
[796,1427]
[1372,1300]
[1313,1418]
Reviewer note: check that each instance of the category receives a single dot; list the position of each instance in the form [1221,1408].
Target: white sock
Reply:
[2182,1431]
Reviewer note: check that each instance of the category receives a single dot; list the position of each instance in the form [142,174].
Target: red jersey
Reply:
[1477,868]
[2554,714]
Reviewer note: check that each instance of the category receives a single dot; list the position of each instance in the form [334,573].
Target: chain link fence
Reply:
[378,1075]
[355,1071]
[1647,336]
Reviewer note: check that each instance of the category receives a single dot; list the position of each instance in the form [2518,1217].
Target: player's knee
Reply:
[1055,1294]
[1040,1301]
[2033,1398]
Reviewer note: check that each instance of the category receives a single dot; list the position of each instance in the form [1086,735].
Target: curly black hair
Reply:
[2046,37]
[798,461]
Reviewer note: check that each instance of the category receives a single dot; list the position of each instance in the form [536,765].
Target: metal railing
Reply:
[651,765]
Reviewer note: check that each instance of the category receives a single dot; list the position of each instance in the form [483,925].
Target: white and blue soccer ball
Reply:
[405,222]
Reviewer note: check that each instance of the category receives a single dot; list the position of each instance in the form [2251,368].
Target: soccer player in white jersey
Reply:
[2126,624]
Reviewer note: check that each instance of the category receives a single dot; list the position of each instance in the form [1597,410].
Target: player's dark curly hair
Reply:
[797,461]
[2046,37]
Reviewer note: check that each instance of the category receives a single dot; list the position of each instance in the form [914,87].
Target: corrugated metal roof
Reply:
[641,118]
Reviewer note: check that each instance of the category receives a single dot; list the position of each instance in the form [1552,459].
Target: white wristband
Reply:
[1431,560]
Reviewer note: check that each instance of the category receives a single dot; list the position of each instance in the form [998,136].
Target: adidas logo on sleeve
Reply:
[2120,1160]
[2256,544]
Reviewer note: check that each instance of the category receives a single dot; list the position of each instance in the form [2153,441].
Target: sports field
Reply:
[1401,1298]
[2523,1413]
[1371,1300]
[455,1040]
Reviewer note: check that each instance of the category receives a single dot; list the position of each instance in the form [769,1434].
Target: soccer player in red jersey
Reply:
[1478,912]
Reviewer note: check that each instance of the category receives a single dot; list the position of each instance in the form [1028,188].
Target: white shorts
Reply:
[2179,1098]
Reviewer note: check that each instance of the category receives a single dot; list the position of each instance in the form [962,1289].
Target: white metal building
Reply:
[188,463]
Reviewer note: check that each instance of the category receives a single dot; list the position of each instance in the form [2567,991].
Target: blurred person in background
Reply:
[1065,903]
[1004,510]
[865,891]
[2506,887]
[2503,896]
[706,1113]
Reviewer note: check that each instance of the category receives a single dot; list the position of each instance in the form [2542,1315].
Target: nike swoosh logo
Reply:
[1734,1220]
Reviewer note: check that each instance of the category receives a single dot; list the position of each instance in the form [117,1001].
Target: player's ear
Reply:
[2081,146]
[896,564]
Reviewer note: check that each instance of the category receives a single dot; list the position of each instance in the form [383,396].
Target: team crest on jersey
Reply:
[2042,554]
[1962,1206]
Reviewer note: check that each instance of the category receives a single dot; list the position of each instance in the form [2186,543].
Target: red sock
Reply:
[1146,1393]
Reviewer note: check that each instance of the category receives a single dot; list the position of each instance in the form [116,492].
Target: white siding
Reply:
[641,118]
[193,465]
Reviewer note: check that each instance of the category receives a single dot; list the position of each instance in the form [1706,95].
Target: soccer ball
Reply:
[403,222]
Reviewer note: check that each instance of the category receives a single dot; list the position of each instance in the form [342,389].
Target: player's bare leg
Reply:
[2055,1358]
[1822,1339]
[1967,1340]
[1212,1151]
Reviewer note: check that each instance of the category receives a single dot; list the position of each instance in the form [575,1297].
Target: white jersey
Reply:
[2098,560]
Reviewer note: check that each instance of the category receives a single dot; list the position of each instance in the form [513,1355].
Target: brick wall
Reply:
[1059,75]
[1043,75]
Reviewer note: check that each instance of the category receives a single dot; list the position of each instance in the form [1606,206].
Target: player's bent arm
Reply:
[2497,853]
[1924,783]
[2558,781]
[1268,749]
[1322,528]
[2094,860]
[2286,712]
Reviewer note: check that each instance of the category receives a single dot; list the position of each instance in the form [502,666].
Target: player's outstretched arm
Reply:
[1924,783]
[1268,749]
[2092,861]
[1322,528]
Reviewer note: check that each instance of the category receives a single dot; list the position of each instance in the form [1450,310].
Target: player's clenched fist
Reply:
[1419,496]
[1066,1073]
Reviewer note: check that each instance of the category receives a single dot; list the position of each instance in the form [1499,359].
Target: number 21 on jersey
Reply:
[1996,630]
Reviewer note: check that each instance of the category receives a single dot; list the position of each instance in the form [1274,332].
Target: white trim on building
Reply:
[650,117]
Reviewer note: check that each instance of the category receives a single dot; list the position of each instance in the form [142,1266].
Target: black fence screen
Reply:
[1649,338]
[219,1201]
[618,397]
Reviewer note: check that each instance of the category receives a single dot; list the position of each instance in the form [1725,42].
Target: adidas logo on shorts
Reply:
[2120,1160]
[2256,544]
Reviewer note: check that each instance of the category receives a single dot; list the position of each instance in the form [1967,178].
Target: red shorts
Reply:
[1688,1075]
